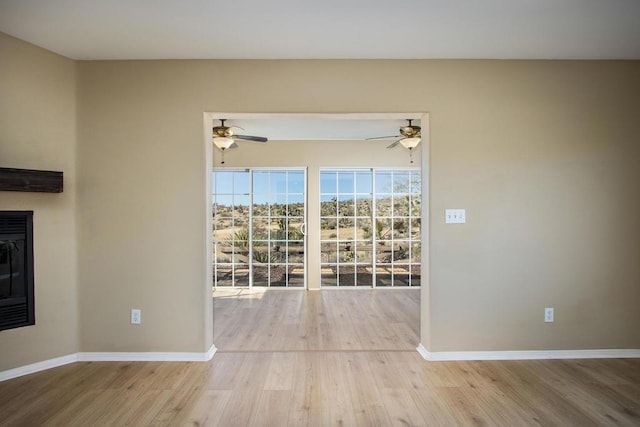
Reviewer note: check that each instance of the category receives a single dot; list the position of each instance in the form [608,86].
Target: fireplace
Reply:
[16,269]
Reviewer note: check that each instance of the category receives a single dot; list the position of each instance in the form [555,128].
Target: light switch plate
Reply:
[455,216]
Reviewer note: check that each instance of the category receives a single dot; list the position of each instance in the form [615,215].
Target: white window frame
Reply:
[374,239]
[251,171]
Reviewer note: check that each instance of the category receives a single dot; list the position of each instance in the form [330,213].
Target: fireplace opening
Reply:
[16,269]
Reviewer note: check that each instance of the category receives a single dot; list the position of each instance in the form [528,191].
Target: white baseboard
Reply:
[37,367]
[209,355]
[108,357]
[423,352]
[435,356]
[147,356]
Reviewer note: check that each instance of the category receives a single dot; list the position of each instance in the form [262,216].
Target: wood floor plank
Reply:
[433,407]
[338,403]
[247,390]
[146,407]
[272,408]
[208,408]
[184,395]
[226,372]
[78,410]
[310,391]
[281,376]
[401,407]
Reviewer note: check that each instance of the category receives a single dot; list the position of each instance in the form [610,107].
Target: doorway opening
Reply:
[396,255]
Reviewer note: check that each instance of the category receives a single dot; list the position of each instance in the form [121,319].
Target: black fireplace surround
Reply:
[16,269]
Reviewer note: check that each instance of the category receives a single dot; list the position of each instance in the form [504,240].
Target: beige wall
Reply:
[38,131]
[542,154]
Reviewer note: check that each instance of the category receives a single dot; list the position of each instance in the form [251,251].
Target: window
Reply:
[370,227]
[231,227]
[258,227]
[278,228]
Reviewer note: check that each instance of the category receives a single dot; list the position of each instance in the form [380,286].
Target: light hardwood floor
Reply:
[333,358]
[256,320]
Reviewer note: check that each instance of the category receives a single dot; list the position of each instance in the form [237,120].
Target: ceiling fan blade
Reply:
[234,145]
[384,137]
[251,138]
[395,143]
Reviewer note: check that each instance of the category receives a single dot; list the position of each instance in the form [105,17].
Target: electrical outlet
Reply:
[135,316]
[548,315]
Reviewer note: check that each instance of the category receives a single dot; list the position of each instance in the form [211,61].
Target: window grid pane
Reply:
[230,232]
[370,227]
[258,216]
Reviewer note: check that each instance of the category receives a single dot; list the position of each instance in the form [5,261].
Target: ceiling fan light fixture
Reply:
[410,143]
[223,142]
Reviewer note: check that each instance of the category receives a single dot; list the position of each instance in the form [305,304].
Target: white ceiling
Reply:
[280,29]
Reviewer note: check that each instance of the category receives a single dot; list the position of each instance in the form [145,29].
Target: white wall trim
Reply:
[147,356]
[423,352]
[212,351]
[108,357]
[37,367]
[527,354]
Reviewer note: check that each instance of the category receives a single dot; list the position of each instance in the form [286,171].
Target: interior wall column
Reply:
[425,289]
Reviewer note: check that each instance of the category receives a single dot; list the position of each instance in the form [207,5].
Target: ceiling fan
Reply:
[225,138]
[410,136]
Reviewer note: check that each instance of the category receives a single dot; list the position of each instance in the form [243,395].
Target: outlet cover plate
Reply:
[135,316]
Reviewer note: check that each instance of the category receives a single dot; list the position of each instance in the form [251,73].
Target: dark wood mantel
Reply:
[30,180]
